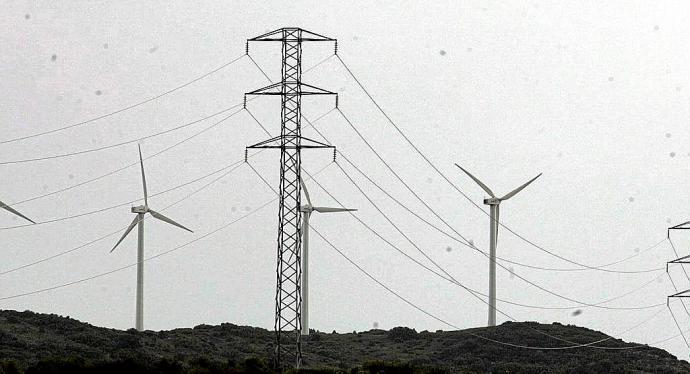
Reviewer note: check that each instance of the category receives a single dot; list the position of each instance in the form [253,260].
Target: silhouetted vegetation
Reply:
[32,343]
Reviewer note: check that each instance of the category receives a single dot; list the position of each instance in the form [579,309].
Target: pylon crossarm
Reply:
[276,89]
[680,294]
[304,143]
[315,144]
[266,90]
[681,260]
[317,90]
[277,35]
[263,144]
[680,226]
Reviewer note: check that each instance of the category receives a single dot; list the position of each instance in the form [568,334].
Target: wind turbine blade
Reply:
[322,209]
[11,210]
[515,191]
[306,191]
[129,229]
[143,178]
[168,220]
[482,185]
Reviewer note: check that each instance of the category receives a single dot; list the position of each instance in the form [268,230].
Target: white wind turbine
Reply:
[307,210]
[139,220]
[11,210]
[493,202]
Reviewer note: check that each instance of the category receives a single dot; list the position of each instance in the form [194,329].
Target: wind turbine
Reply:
[307,210]
[494,202]
[11,210]
[139,221]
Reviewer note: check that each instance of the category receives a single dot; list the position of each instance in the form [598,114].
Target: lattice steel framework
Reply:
[290,142]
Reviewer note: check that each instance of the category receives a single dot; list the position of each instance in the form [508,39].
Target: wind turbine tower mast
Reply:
[307,209]
[290,142]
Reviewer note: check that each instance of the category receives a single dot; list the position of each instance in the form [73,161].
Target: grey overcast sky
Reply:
[593,94]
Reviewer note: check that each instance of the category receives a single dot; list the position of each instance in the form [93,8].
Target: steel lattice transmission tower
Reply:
[290,142]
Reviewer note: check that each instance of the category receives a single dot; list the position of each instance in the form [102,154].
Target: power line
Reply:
[115,145]
[390,168]
[260,69]
[399,130]
[110,114]
[678,326]
[670,337]
[472,246]
[128,165]
[469,244]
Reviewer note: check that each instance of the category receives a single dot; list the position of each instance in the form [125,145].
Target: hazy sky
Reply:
[592,94]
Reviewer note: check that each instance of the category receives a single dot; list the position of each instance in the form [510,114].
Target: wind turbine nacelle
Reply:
[492,201]
[139,209]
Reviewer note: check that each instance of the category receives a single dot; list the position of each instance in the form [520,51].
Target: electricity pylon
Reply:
[288,309]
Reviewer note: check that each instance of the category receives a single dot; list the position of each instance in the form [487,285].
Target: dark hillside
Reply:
[40,342]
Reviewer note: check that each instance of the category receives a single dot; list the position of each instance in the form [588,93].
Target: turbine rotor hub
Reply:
[492,201]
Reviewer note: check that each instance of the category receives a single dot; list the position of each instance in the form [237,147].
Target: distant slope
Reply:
[28,338]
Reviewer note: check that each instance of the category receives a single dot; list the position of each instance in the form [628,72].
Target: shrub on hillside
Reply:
[9,367]
[402,333]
